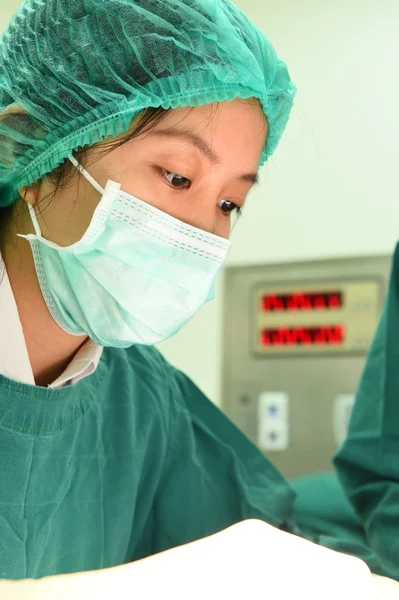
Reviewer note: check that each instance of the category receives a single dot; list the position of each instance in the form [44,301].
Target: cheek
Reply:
[67,218]
[223,227]
[82,217]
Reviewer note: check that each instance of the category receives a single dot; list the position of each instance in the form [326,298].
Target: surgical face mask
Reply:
[136,276]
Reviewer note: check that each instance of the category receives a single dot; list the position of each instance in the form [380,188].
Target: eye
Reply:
[176,180]
[227,207]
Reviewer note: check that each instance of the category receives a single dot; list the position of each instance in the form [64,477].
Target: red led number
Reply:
[300,301]
[329,335]
[272,303]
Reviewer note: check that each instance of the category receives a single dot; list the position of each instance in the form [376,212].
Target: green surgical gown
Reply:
[128,462]
[368,461]
[134,460]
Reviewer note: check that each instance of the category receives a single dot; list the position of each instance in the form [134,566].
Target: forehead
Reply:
[225,132]
[247,113]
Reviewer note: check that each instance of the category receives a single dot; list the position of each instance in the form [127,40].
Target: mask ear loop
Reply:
[87,175]
[34,220]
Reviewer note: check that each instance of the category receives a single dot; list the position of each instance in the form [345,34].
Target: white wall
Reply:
[7,8]
[331,188]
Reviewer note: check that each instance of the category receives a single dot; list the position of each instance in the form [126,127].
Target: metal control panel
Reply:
[295,341]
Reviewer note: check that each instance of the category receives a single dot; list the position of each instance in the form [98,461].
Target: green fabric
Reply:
[130,461]
[368,461]
[82,69]
[324,514]
[134,460]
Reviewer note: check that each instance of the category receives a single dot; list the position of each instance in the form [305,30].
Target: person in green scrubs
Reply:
[358,511]
[130,132]
[368,462]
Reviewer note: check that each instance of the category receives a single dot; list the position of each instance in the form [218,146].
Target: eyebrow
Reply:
[200,144]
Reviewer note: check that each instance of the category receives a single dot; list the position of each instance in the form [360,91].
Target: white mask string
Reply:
[85,174]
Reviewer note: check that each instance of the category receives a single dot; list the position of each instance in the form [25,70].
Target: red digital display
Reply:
[301,301]
[328,335]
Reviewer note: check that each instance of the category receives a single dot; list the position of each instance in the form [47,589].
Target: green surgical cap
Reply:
[79,71]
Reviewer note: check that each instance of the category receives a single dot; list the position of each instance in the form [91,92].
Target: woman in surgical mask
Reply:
[131,133]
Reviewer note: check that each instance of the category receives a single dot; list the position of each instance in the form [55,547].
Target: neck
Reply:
[50,349]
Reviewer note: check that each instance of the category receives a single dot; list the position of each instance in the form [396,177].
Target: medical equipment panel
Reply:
[295,340]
